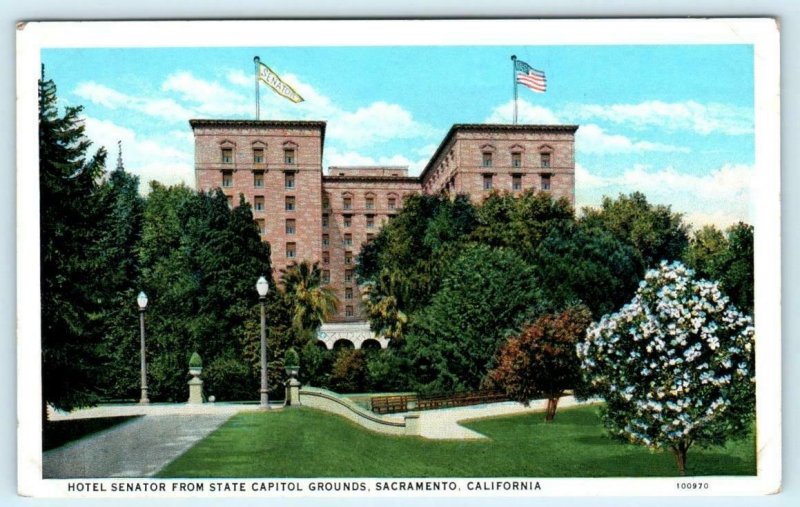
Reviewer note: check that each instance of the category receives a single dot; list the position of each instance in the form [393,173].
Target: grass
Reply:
[57,433]
[302,442]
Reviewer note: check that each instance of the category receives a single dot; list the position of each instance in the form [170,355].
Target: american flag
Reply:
[530,77]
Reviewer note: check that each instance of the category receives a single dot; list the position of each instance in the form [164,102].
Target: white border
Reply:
[762,33]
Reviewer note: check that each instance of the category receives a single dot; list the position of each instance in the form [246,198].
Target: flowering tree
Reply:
[675,365]
[541,361]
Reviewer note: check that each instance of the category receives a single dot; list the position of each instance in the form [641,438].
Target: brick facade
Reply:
[277,167]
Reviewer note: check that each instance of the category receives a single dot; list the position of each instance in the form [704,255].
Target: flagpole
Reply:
[514,72]
[257,62]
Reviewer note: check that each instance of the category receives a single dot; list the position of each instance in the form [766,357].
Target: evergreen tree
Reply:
[71,302]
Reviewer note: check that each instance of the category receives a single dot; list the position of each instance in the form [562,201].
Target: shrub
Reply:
[675,365]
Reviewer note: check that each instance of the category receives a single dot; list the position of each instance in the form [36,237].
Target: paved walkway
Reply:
[444,424]
[137,448]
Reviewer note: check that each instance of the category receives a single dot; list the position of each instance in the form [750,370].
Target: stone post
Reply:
[293,395]
[195,391]
[412,424]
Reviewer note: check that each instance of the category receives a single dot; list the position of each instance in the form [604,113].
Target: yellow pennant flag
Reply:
[276,83]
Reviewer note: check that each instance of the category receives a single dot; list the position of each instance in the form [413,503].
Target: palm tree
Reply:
[383,300]
[312,302]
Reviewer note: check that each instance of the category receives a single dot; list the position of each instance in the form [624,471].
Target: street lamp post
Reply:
[263,288]
[142,301]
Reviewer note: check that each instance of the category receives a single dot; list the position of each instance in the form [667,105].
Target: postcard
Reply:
[398,258]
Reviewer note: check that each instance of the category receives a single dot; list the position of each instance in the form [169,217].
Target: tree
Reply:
[486,294]
[384,300]
[589,265]
[542,360]
[675,365]
[736,271]
[68,179]
[727,258]
[520,221]
[199,262]
[312,302]
[653,230]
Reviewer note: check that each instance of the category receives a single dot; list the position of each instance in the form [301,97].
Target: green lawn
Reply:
[302,442]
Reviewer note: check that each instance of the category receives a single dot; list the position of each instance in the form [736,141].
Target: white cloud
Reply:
[163,108]
[526,113]
[593,139]
[169,160]
[238,77]
[689,115]
[721,197]
[208,97]
[376,123]
[334,157]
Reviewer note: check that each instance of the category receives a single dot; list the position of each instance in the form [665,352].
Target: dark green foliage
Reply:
[349,372]
[57,433]
[726,258]
[521,221]
[199,263]
[486,293]
[653,230]
[195,361]
[69,210]
[230,379]
[291,358]
[576,263]
[317,364]
[736,271]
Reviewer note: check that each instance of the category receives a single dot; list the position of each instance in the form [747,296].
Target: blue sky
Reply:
[675,122]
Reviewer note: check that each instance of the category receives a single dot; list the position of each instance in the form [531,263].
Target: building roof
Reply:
[359,177]
[492,127]
[263,124]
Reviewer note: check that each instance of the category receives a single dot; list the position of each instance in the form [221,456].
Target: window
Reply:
[258,179]
[347,203]
[262,226]
[348,257]
[348,311]
[326,276]
[290,226]
[227,155]
[487,159]
[324,220]
[516,160]
[288,180]
[392,203]
[288,156]
[348,275]
[227,179]
[326,203]
[348,240]
[348,220]
[326,258]
[258,155]
[291,250]
[370,236]
[348,294]
[258,203]
[326,240]
[487,181]
[230,201]
[370,221]
[545,182]
[370,203]
[516,182]
[289,203]
[545,159]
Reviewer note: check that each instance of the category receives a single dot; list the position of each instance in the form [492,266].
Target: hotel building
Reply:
[306,213]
